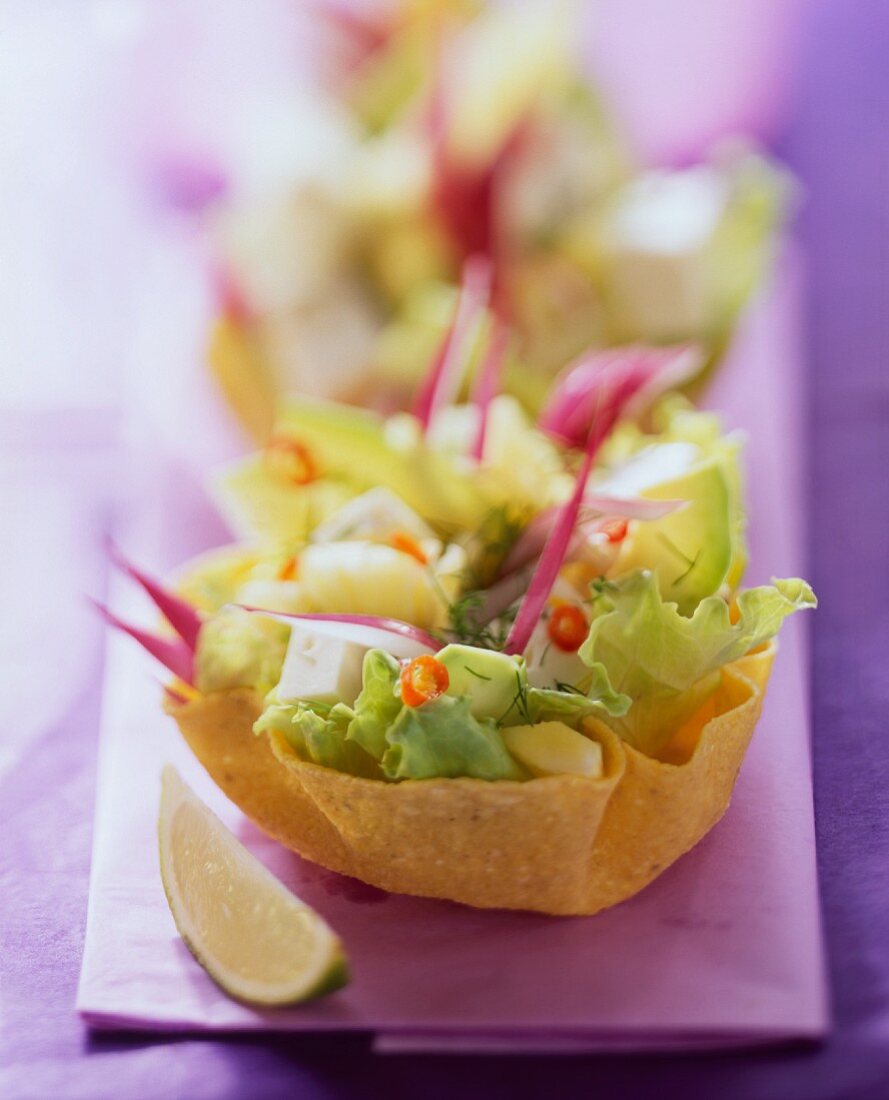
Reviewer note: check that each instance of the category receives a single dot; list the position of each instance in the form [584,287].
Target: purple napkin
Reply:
[724,948]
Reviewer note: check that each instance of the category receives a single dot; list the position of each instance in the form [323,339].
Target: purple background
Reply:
[838,143]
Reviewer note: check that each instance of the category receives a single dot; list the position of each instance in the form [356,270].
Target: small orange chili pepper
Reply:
[288,570]
[568,627]
[178,692]
[407,544]
[422,679]
[578,574]
[288,458]
[231,300]
[615,529]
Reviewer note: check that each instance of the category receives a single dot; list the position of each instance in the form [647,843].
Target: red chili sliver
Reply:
[407,544]
[568,627]
[230,298]
[422,679]
[615,529]
[288,570]
[290,459]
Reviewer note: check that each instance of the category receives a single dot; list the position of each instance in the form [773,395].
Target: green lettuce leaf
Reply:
[570,706]
[238,649]
[667,663]
[317,733]
[442,738]
[378,704]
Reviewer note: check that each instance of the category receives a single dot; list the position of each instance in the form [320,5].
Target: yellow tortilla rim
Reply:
[563,845]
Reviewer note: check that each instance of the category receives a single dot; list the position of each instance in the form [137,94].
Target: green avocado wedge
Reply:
[692,548]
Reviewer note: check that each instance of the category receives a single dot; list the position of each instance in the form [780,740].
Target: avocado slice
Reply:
[489,678]
[691,548]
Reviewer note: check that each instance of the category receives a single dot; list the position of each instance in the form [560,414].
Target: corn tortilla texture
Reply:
[563,845]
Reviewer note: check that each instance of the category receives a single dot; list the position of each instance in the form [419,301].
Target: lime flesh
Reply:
[256,939]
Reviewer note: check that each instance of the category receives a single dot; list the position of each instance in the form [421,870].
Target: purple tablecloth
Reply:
[839,144]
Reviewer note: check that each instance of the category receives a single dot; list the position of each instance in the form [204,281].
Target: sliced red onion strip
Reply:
[367,35]
[631,507]
[488,383]
[602,387]
[677,366]
[551,559]
[502,595]
[173,696]
[173,653]
[183,618]
[398,638]
[230,298]
[594,507]
[443,380]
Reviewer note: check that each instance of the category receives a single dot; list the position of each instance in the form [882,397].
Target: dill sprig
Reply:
[571,689]
[491,542]
[519,701]
[464,625]
[477,675]
[690,563]
[601,587]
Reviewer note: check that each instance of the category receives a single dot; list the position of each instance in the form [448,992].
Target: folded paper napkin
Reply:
[724,948]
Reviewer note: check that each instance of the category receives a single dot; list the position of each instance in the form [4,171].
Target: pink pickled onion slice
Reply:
[183,618]
[173,696]
[365,35]
[465,194]
[544,576]
[173,653]
[593,508]
[606,385]
[465,202]
[488,383]
[631,507]
[463,197]
[441,383]
[501,595]
[231,301]
[676,366]
[398,638]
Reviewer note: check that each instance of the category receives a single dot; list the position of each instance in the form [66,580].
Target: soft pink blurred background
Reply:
[116,111]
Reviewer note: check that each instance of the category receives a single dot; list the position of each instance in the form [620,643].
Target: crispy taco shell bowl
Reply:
[563,845]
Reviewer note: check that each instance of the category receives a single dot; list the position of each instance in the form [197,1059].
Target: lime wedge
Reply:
[255,939]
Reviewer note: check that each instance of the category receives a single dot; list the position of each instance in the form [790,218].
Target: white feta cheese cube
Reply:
[547,665]
[320,668]
[656,244]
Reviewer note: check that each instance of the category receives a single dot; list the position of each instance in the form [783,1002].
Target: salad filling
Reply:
[466,615]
